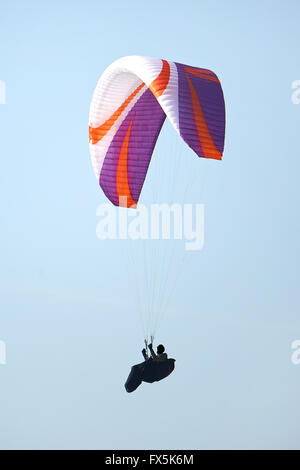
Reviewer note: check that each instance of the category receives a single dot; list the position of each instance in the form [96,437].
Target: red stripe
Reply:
[122,184]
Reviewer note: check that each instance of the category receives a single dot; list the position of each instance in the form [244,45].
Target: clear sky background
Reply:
[68,312]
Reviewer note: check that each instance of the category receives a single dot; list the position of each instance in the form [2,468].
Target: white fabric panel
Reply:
[115,85]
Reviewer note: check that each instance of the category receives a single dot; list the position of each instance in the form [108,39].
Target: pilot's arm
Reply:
[153,355]
[145,354]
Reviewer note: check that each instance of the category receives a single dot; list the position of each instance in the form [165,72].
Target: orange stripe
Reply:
[206,141]
[122,185]
[202,73]
[159,85]
[97,133]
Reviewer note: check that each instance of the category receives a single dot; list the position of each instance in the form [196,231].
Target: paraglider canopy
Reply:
[130,103]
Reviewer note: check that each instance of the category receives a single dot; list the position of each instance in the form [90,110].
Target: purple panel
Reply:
[148,118]
[212,103]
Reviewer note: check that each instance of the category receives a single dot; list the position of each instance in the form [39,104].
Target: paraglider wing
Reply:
[130,103]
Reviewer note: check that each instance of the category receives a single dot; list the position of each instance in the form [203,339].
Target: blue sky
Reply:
[68,310]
